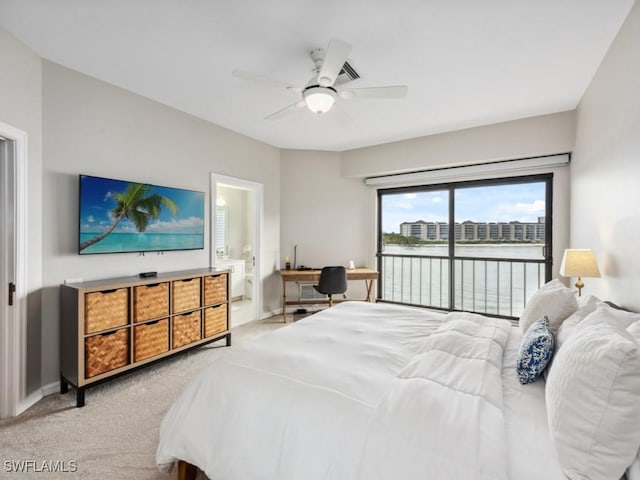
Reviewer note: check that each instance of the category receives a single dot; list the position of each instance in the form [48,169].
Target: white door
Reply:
[12,269]
[236,237]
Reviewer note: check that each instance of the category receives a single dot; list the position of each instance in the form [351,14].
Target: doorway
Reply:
[13,279]
[236,206]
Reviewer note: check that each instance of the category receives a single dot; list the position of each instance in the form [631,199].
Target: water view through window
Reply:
[476,247]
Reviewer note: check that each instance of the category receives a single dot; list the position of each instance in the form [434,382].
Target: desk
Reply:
[312,276]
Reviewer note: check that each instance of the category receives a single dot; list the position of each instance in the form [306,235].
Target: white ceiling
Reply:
[466,62]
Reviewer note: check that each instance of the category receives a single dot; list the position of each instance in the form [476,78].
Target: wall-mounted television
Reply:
[117,216]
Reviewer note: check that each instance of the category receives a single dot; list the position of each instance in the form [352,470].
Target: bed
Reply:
[369,391]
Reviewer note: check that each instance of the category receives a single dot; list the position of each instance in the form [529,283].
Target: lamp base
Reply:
[579,286]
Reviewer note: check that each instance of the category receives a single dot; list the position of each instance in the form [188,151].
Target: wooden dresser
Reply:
[113,326]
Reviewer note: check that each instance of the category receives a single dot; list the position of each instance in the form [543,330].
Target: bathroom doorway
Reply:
[236,207]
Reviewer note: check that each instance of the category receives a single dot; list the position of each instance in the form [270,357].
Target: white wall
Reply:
[94,128]
[534,136]
[21,107]
[329,217]
[605,175]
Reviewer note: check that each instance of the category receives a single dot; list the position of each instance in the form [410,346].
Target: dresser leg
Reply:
[228,339]
[80,397]
[64,386]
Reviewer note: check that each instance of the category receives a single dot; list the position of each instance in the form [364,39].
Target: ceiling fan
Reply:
[326,85]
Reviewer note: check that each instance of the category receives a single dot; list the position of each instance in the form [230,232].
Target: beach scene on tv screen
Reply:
[120,216]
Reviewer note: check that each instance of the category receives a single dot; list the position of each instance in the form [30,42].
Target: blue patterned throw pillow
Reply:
[536,351]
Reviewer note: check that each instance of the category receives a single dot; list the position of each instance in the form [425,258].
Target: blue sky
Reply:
[97,202]
[503,203]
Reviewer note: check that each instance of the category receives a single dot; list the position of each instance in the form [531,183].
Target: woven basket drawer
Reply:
[150,339]
[215,289]
[104,310]
[186,329]
[185,295]
[105,352]
[215,320]
[150,302]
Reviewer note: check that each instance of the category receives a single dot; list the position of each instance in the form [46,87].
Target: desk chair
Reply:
[332,280]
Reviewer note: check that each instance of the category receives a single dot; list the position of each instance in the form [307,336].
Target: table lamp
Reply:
[579,263]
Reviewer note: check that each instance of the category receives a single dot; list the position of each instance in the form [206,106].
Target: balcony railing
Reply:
[494,286]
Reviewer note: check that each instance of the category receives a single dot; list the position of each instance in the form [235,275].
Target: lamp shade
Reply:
[319,99]
[579,263]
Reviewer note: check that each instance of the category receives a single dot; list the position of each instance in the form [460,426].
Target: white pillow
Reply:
[586,305]
[554,300]
[593,399]
[622,317]
[633,472]
[588,300]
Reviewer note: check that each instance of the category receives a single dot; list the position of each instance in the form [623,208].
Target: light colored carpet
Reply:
[115,435]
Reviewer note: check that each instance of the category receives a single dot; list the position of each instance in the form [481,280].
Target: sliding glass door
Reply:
[478,246]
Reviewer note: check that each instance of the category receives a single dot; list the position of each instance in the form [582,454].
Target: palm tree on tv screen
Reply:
[135,205]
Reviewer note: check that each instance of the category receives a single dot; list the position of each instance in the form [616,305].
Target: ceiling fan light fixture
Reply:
[319,99]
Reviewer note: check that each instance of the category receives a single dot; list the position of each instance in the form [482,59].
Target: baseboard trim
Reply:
[53,387]
[273,313]
[315,307]
[29,401]
[36,396]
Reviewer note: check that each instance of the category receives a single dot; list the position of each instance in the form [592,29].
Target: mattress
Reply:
[366,391]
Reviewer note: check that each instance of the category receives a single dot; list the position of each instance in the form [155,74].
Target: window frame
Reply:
[451,187]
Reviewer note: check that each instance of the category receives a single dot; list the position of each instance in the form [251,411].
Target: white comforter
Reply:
[359,391]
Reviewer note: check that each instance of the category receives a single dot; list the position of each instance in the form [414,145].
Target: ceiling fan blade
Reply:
[285,111]
[334,59]
[261,79]
[397,91]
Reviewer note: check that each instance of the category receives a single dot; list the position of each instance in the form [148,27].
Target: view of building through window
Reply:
[475,247]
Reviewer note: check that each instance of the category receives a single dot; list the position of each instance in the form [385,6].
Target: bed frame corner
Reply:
[186,471]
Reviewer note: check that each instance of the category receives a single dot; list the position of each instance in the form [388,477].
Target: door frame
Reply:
[258,198]
[13,249]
